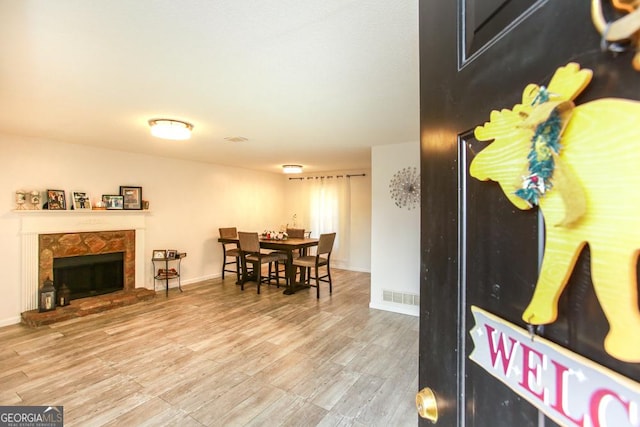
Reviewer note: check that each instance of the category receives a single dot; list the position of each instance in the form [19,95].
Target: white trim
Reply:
[10,321]
[341,265]
[411,310]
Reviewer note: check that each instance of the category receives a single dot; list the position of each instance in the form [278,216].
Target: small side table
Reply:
[167,273]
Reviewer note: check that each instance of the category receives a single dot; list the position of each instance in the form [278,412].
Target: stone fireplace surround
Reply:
[63,245]
[71,233]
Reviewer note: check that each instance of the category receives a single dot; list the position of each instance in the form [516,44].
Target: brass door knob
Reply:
[426,405]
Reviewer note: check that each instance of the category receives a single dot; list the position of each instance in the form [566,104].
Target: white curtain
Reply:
[330,211]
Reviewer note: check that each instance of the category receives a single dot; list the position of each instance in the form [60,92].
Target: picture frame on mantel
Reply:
[81,201]
[56,200]
[113,201]
[132,197]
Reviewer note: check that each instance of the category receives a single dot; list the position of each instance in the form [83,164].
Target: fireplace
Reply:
[90,275]
[69,256]
[46,235]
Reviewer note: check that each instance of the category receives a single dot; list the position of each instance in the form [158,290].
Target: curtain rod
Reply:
[330,176]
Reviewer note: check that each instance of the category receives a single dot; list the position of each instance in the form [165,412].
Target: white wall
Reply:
[189,201]
[395,232]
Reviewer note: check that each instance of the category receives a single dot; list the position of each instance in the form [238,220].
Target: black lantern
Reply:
[64,294]
[47,296]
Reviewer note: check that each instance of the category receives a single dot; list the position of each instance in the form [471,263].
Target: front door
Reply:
[476,247]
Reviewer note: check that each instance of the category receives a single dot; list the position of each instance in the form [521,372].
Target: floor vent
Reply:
[400,298]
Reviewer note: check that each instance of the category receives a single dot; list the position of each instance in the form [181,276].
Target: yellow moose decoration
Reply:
[581,165]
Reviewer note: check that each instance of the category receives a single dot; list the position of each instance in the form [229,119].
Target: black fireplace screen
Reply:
[90,275]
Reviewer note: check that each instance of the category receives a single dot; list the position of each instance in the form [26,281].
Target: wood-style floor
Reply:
[217,356]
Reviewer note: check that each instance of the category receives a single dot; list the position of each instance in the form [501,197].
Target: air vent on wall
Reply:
[400,298]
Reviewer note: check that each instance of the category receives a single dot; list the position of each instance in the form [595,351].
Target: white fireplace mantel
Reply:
[36,222]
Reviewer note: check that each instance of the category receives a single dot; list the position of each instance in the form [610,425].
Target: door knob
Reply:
[426,404]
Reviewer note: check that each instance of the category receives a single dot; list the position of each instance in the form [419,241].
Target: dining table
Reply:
[288,246]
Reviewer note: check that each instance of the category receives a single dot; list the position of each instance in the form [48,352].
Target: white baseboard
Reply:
[342,266]
[10,321]
[359,270]
[411,310]
[201,278]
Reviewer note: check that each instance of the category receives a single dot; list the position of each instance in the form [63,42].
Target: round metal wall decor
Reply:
[405,188]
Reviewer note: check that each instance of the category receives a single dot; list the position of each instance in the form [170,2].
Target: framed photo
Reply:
[159,254]
[56,200]
[113,201]
[132,197]
[171,253]
[81,200]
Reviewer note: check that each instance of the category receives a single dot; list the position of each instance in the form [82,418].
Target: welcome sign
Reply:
[565,386]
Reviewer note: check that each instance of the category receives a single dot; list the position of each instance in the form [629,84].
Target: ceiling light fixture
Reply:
[292,168]
[236,139]
[170,129]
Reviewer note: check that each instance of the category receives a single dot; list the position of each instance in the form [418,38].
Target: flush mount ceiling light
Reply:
[292,168]
[170,129]
[236,139]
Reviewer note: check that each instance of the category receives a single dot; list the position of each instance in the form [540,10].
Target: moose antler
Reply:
[626,28]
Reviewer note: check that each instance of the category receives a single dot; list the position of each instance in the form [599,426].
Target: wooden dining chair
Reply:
[249,244]
[295,233]
[292,233]
[230,252]
[313,263]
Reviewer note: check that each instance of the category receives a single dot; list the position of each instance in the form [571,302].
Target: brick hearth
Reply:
[85,306]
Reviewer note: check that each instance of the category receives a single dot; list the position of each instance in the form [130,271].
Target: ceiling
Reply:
[310,82]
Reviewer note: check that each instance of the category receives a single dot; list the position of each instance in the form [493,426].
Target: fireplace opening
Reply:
[90,275]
